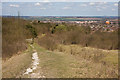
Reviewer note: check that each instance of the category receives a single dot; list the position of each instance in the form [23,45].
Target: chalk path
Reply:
[31,70]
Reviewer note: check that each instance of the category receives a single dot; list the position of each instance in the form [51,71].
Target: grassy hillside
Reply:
[17,64]
[68,50]
[73,61]
[16,31]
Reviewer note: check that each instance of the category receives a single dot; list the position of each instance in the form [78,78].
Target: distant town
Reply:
[101,23]
[104,24]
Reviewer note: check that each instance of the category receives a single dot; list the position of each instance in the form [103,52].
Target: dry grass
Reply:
[14,67]
[55,64]
[88,52]
[108,59]
[99,62]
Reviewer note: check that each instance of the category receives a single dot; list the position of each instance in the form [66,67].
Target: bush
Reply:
[103,40]
[13,36]
[43,28]
[61,28]
[32,30]
[75,34]
[48,43]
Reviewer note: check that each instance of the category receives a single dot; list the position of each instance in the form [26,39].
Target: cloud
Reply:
[113,9]
[46,0]
[50,4]
[104,2]
[13,5]
[91,3]
[43,8]
[37,4]
[66,7]
[105,7]
[83,5]
[98,9]
[115,4]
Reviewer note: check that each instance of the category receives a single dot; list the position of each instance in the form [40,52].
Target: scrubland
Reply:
[98,50]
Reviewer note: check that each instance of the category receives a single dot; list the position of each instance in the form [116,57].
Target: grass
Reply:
[56,64]
[13,67]
[108,59]
[82,63]
[111,58]
[0,68]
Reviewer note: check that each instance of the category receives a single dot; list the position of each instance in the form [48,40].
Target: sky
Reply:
[60,0]
[62,8]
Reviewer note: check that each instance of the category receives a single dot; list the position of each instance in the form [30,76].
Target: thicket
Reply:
[80,35]
[15,32]
[14,35]
[32,30]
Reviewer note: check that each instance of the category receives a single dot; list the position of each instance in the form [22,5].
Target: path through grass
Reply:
[62,65]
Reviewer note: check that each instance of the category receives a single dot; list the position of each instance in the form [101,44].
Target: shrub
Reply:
[13,36]
[32,30]
[103,40]
[75,34]
[61,28]
[48,42]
